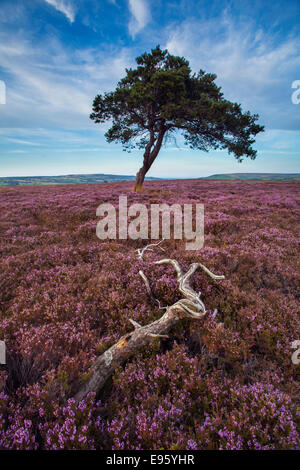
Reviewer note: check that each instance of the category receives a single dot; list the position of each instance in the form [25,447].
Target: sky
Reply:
[57,55]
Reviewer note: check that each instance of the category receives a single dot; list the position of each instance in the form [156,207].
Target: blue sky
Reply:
[56,55]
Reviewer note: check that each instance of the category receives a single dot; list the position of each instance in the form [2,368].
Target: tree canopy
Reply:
[162,96]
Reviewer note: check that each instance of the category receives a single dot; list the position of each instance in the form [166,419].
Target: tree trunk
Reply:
[140,176]
[149,157]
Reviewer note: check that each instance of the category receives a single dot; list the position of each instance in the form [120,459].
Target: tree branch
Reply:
[141,251]
[191,306]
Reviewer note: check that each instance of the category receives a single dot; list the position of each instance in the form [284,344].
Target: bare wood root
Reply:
[191,306]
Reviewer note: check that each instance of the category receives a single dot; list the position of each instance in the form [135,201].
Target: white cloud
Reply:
[52,87]
[234,53]
[140,16]
[65,7]
[22,142]
[251,67]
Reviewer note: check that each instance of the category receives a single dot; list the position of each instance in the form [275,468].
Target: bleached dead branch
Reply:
[190,306]
[148,288]
[141,251]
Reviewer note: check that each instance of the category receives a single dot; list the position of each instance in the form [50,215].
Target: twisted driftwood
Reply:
[190,306]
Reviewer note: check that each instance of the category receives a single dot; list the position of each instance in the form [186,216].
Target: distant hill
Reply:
[65,179]
[257,176]
[103,178]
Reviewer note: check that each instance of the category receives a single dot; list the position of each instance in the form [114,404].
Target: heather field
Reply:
[224,382]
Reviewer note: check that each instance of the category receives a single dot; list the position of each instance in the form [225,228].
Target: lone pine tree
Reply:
[162,96]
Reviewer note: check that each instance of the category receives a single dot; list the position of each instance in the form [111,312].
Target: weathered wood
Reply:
[191,306]
[127,346]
